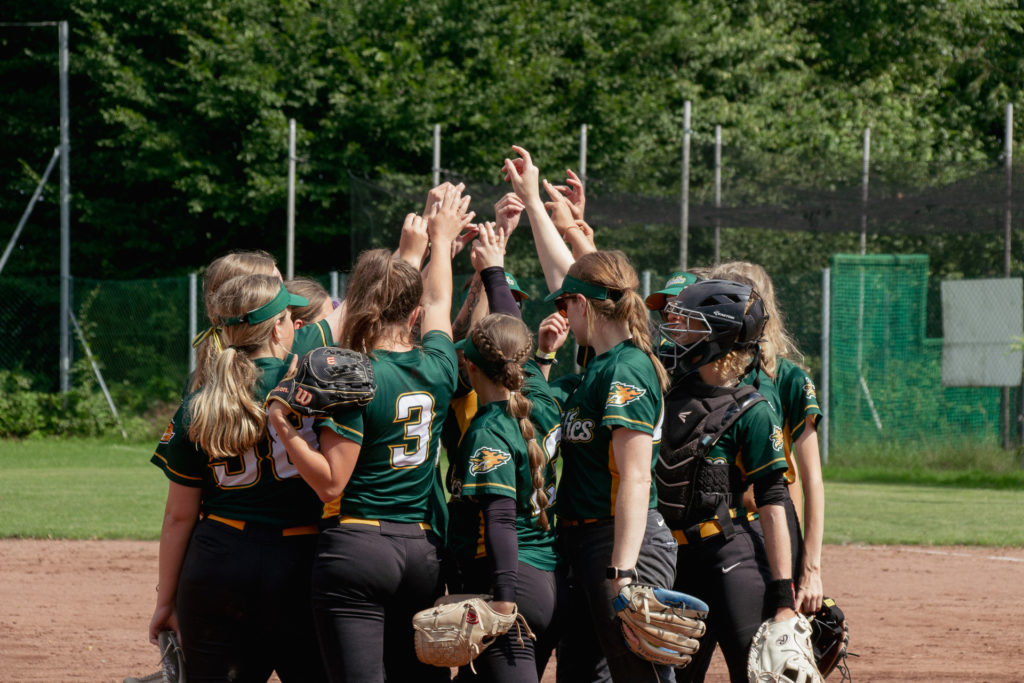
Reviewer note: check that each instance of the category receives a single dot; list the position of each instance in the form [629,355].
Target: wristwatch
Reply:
[616,573]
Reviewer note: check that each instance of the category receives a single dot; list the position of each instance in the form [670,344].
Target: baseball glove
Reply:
[459,627]
[172,662]
[830,637]
[781,652]
[660,625]
[327,379]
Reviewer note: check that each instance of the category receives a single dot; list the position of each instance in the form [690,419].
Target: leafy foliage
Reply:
[180,108]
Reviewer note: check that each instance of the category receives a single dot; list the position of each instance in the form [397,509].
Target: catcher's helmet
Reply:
[710,318]
[830,637]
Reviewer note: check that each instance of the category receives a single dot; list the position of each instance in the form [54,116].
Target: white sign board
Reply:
[981,320]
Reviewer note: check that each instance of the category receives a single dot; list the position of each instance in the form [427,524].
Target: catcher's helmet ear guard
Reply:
[710,318]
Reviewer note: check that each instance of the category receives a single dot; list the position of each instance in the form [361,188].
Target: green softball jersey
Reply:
[493,459]
[753,445]
[309,337]
[619,388]
[400,434]
[260,485]
[799,399]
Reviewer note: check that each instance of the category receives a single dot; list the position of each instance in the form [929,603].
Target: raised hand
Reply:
[445,219]
[552,333]
[464,238]
[523,175]
[575,194]
[412,245]
[489,248]
[559,209]
[436,194]
[580,238]
[507,212]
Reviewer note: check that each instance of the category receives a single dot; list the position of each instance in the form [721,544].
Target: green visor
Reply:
[676,283]
[283,300]
[571,285]
[474,356]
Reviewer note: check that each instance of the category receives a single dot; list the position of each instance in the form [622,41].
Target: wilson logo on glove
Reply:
[302,397]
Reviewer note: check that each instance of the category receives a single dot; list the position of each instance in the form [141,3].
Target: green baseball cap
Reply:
[676,283]
[514,286]
[281,301]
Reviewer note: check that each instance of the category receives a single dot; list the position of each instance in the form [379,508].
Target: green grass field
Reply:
[108,489]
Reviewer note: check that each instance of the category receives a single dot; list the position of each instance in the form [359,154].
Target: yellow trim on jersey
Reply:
[347,429]
[484,483]
[176,473]
[613,469]
[626,419]
[376,522]
[465,409]
[766,465]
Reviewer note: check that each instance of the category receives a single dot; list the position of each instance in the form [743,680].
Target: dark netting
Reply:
[30,324]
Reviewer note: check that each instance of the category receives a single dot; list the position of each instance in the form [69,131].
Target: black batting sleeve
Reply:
[499,296]
[771,489]
[502,544]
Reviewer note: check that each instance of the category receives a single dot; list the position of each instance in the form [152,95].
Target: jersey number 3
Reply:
[416,412]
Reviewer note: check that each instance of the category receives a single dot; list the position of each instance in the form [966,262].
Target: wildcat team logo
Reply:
[777,438]
[487,459]
[168,433]
[809,389]
[623,394]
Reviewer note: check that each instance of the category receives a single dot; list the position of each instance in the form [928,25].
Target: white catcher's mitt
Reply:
[459,627]
[781,652]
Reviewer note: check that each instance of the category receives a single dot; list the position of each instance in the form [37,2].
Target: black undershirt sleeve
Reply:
[499,295]
[771,489]
[502,544]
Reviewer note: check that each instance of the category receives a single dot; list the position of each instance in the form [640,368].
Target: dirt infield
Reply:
[78,611]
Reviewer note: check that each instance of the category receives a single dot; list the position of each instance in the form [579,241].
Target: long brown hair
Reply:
[313,292]
[384,292]
[217,273]
[507,342]
[777,341]
[612,269]
[226,419]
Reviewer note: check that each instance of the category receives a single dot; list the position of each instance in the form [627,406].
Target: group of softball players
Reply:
[304,546]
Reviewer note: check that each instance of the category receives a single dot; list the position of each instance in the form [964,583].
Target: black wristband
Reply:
[781,593]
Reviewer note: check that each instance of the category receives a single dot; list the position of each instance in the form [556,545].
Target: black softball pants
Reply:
[730,576]
[368,582]
[244,605]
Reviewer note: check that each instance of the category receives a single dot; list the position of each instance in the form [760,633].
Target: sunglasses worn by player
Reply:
[562,304]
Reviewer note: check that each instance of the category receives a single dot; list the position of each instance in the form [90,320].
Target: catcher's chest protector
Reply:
[696,415]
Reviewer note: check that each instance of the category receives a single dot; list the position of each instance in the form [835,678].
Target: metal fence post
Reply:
[823,390]
[193,314]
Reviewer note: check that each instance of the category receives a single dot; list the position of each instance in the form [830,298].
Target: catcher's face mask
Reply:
[684,328]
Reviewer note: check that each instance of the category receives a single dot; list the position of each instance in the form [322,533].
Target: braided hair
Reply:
[506,342]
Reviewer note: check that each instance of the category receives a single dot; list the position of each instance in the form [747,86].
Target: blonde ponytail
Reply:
[226,419]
